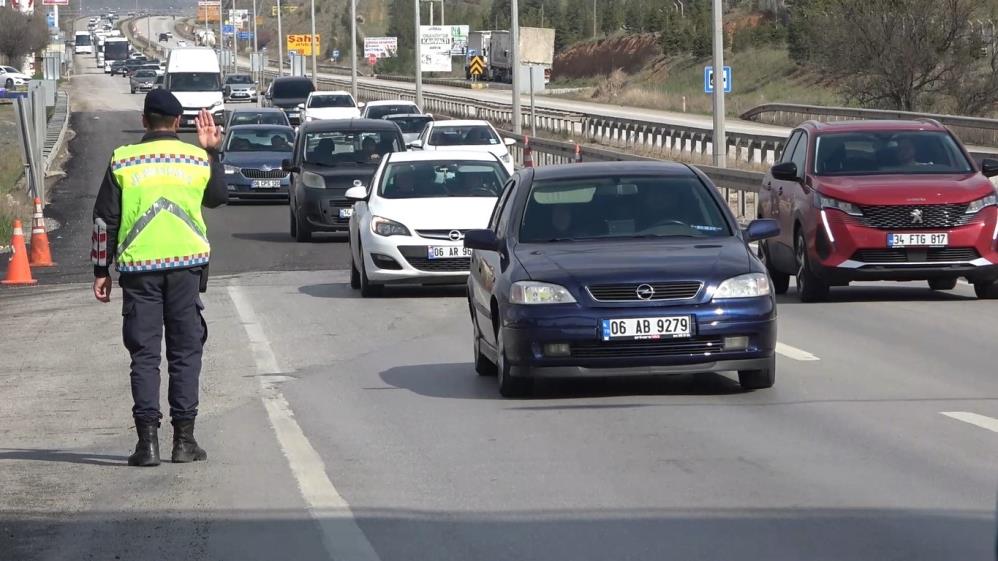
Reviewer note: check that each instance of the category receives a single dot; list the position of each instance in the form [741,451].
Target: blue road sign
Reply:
[708,79]
[245,35]
[228,29]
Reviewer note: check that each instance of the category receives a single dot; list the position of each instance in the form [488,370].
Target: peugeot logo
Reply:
[455,235]
[916,216]
[645,292]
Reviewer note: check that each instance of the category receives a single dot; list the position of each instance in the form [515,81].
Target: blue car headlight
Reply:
[533,292]
[751,285]
[229,170]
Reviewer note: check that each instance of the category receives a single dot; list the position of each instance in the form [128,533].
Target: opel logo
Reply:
[645,292]
[455,235]
[916,216]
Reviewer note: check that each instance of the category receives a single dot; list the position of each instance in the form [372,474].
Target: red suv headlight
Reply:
[823,202]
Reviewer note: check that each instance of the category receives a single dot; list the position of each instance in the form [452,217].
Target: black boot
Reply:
[185,448]
[147,450]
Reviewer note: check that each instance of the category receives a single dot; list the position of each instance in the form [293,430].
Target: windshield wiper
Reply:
[320,164]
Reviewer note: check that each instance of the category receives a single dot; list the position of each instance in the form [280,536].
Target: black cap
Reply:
[162,102]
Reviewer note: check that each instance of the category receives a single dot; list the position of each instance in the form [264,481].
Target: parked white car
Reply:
[324,105]
[11,77]
[474,136]
[408,225]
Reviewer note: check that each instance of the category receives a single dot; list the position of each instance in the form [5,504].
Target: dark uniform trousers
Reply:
[152,301]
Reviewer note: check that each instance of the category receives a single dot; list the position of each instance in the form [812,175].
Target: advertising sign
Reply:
[435,44]
[55,2]
[381,47]
[302,44]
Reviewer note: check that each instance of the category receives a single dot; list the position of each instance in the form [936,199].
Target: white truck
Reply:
[478,45]
[194,76]
[536,49]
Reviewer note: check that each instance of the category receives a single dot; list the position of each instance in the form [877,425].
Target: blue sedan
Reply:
[618,269]
[253,155]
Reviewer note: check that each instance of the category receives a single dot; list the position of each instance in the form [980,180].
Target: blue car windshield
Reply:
[621,207]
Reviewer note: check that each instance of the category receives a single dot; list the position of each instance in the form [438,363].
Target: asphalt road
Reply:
[354,430]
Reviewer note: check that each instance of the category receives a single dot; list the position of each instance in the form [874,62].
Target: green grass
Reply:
[760,75]
[13,202]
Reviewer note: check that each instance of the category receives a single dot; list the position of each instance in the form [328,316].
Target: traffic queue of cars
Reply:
[606,269]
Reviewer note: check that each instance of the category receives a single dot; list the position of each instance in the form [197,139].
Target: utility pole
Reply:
[419,71]
[594,18]
[514,36]
[280,42]
[431,13]
[235,36]
[442,20]
[720,138]
[353,49]
[255,48]
[315,65]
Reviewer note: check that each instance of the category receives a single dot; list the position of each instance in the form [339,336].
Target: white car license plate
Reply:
[447,252]
[346,212]
[916,239]
[266,183]
[672,327]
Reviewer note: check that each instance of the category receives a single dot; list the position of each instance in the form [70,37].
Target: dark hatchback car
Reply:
[287,93]
[618,269]
[330,156]
[256,116]
[253,155]
[880,201]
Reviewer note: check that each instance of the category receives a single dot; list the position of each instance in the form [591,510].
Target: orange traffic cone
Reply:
[18,271]
[528,153]
[578,153]
[40,254]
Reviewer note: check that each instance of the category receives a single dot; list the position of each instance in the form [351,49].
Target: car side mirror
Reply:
[509,141]
[989,167]
[787,171]
[361,105]
[762,229]
[356,193]
[416,144]
[289,167]
[301,106]
[481,239]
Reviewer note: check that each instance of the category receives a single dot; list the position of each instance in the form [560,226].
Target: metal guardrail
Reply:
[972,130]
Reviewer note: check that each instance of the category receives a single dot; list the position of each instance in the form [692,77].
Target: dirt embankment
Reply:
[631,53]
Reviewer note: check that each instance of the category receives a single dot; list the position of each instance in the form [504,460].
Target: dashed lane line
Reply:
[982,421]
[795,353]
[342,537]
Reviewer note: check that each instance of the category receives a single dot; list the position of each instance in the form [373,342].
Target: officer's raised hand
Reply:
[209,135]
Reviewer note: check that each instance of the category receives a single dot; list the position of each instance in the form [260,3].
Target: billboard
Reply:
[435,44]
[302,44]
[55,2]
[459,39]
[381,47]
[210,11]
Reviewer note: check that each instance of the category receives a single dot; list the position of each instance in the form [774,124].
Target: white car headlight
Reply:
[385,227]
[828,202]
[229,170]
[313,180]
[744,286]
[533,292]
[976,206]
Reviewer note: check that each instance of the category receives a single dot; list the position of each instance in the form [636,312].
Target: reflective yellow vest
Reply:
[162,185]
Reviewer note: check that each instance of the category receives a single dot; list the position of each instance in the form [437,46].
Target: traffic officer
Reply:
[147,219]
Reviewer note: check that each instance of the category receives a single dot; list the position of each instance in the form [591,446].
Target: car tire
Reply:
[367,288]
[758,379]
[510,386]
[810,288]
[781,281]
[9,83]
[303,232]
[354,274]
[133,91]
[942,284]
[483,366]
[986,290]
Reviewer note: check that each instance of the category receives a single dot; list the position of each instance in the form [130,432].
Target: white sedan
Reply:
[476,136]
[322,105]
[11,77]
[408,226]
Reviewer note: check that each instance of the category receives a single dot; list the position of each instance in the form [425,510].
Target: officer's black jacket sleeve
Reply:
[217,193]
[107,218]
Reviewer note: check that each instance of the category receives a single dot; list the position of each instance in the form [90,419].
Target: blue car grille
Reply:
[628,292]
[697,346]
[260,174]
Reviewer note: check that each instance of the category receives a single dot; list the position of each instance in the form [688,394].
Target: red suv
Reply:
[880,200]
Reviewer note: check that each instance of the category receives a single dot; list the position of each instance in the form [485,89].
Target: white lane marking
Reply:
[795,353]
[342,537]
[982,421]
